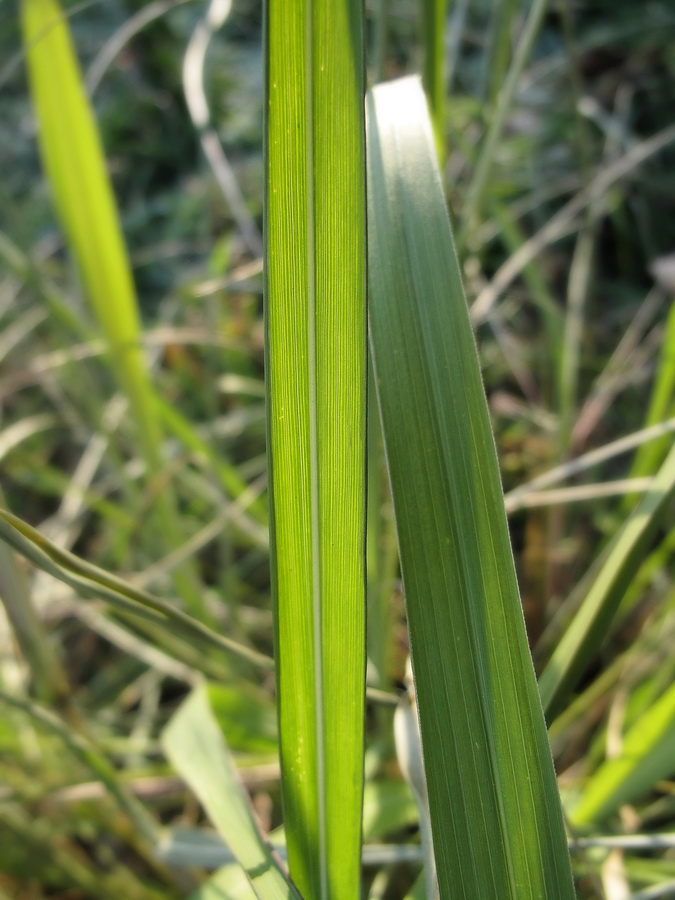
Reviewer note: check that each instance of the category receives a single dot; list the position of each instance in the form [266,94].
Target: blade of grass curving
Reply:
[624,557]
[495,812]
[196,747]
[75,165]
[647,756]
[316,375]
[88,579]
[49,680]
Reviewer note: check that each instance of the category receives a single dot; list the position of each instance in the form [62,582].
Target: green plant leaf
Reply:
[495,812]
[388,806]
[315,368]
[88,579]
[75,165]
[662,402]
[228,883]
[433,74]
[74,737]
[647,756]
[196,747]
[620,566]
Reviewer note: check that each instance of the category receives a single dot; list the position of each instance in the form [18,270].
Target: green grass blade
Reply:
[647,756]
[590,624]
[75,165]
[228,883]
[50,682]
[661,404]
[88,753]
[433,71]
[88,579]
[498,49]
[196,747]
[495,812]
[74,162]
[226,473]
[495,127]
[315,365]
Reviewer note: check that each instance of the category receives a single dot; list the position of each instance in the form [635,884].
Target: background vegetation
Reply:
[564,220]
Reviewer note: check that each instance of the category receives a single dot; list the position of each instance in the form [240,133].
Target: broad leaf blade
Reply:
[315,366]
[495,811]
[196,748]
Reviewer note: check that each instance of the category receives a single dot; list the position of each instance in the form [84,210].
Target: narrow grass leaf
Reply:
[495,811]
[83,748]
[49,679]
[50,682]
[498,116]
[74,161]
[662,402]
[228,883]
[623,560]
[647,756]
[433,72]
[75,165]
[196,747]
[316,375]
[89,580]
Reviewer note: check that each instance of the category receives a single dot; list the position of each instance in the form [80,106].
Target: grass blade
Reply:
[315,364]
[590,624]
[228,883]
[495,128]
[495,812]
[90,756]
[50,682]
[75,165]
[647,756]
[196,748]
[433,73]
[90,580]
[662,401]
